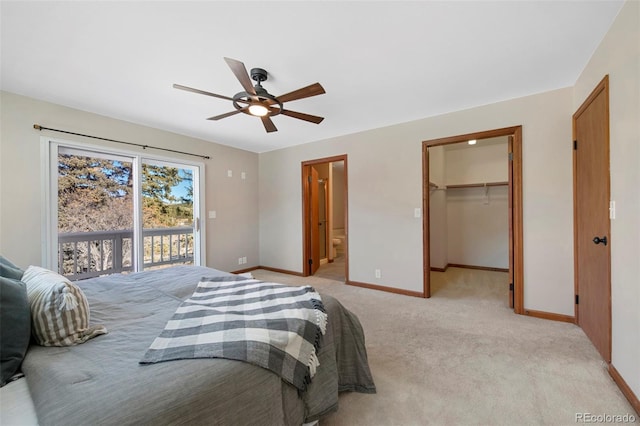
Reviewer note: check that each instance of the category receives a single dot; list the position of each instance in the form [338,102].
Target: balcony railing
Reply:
[90,254]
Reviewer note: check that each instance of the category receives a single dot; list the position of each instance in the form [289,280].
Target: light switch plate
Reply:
[612,209]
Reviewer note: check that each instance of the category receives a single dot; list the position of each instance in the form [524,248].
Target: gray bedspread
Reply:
[101,382]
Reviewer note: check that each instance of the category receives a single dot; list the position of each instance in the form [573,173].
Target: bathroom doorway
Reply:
[324,209]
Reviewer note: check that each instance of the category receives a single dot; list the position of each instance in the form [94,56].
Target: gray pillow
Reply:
[59,309]
[15,326]
[9,270]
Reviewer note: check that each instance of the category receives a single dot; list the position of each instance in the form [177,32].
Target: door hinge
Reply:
[511,156]
[510,286]
[309,179]
[575,144]
[577,300]
[310,262]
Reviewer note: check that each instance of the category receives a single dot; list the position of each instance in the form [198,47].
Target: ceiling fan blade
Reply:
[241,74]
[306,92]
[202,92]
[302,116]
[268,124]
[225,115]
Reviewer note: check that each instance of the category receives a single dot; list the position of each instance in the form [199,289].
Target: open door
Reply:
[510,203]
[591,218]
[311,217]
[314,209]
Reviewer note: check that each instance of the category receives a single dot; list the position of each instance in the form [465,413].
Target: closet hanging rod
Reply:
[477,185]
[41,128]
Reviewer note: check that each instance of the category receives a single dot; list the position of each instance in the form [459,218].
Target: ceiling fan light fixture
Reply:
[258,110]
[256,101]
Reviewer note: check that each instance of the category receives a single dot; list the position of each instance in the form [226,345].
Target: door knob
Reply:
[602,240]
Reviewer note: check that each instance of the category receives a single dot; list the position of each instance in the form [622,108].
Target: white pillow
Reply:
[59,309]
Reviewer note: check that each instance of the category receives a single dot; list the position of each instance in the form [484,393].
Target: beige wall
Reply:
[619,56]
[384,177]
[478,164]
[478,226]
[232,235]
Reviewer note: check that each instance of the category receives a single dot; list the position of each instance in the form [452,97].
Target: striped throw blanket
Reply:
[271,325]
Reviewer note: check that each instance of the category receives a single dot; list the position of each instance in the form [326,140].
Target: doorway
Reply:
[513,187]
[592,225]
[324,218]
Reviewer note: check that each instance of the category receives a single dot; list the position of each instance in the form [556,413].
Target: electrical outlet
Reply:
[243,175]
[229,173]
[239,261]
[377,273]
[212,214]
[244,260]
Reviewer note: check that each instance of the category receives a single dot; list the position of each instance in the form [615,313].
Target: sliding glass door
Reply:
[169,225]
[112,212]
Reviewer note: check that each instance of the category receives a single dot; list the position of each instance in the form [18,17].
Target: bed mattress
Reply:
[102,382]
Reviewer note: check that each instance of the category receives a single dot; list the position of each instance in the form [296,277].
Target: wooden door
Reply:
[510,206]
[314,227]
[591,219]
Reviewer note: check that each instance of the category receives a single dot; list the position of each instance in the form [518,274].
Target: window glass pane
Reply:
[95,214]
[167,212]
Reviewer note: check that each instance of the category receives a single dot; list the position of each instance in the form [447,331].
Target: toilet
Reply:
[337,242]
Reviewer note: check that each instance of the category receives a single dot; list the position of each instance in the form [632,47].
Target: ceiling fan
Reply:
[256,101]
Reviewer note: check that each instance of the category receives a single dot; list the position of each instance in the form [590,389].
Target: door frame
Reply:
[306,230]
[515,231]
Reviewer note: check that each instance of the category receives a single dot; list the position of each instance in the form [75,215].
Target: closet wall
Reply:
[437,209]
[475,227]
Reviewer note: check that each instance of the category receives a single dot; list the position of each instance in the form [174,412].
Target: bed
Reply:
[102,382]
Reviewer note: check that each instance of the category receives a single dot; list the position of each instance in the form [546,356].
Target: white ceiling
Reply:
[380,62]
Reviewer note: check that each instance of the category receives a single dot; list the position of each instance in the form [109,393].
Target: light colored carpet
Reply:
[463,358]
[332,271]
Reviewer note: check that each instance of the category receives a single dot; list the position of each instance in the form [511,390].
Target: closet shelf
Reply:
[477,185]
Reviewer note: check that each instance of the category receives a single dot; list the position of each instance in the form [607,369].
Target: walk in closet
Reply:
[469,210]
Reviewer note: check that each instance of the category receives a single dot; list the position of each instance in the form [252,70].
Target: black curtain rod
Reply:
[39,127]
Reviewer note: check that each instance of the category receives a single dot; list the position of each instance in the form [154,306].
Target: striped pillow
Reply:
[59,309]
